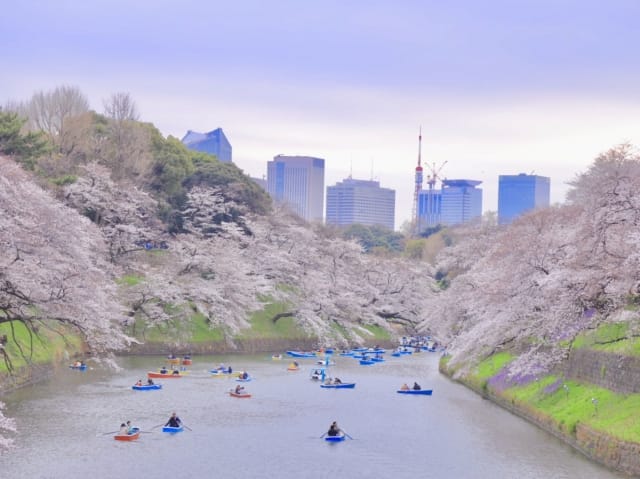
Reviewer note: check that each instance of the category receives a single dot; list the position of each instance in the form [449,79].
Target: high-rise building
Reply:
[459,201]
[214,142]
[518,194]
[360,201]
[298,181]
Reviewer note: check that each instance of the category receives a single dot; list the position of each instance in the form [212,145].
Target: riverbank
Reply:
[579,404]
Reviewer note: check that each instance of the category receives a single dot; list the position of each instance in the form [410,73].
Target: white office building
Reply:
[360,201]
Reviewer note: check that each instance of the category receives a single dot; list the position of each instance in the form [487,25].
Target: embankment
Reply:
[615,372]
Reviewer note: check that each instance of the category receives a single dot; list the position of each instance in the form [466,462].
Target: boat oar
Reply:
[159,425]
[187,427]
[323,435]
[347,434]
[112,432]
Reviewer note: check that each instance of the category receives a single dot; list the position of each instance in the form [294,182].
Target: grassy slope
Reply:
[568,402]
[48,347]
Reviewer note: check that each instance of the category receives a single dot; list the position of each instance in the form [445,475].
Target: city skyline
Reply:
[499,88]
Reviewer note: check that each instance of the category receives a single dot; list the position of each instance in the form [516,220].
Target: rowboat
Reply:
[325,362]
[319,374]
[300,354]
[293,367]
[239,395]
[187,362]
[173,360]
[424,392]
[146,387]
[132,436]
[338,438]
[155,375]
[172,430]
[222,372]
[82,367]
[276,357]
[244,380]
[366,362]
[339,386]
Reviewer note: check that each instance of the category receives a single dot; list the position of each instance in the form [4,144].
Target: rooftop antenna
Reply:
[350,169]
[371,169]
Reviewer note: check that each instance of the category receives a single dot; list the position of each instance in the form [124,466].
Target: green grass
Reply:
[49,347]
[614,414]
[492,365]
[605,334]
[377,333]
[262,325]
[130,280]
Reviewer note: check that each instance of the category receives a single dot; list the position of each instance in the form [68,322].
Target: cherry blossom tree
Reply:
[532,286]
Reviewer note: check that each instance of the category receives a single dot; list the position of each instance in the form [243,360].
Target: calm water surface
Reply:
[276,433]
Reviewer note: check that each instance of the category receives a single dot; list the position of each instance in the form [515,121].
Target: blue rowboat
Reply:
[172,430]
[366,362]
[146,387]
[82,367]
[338,438]
[299,354]
[424,392]
[244,380]
[339,386]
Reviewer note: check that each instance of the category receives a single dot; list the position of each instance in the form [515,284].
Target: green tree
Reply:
[25,147]
[375,237]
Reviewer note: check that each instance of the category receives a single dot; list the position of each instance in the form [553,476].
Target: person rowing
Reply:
[174,421]
[334,430]
[239,389]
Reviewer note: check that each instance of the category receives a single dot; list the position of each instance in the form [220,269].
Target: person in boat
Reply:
[129,428]
[337,381]
[176,372]
[416,387]
[328,381]
[404,387]
[123,430]
[244,375]
[163,370]
[334,430]
[174,421]
[150,382]
[77,364]
[171,356]
[239,389]
[139,382]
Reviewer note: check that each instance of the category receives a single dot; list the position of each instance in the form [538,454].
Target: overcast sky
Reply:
[498,86]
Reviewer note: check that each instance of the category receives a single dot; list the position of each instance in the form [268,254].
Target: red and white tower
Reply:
[415,215]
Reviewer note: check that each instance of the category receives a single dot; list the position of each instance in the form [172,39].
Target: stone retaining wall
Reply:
[608,370]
